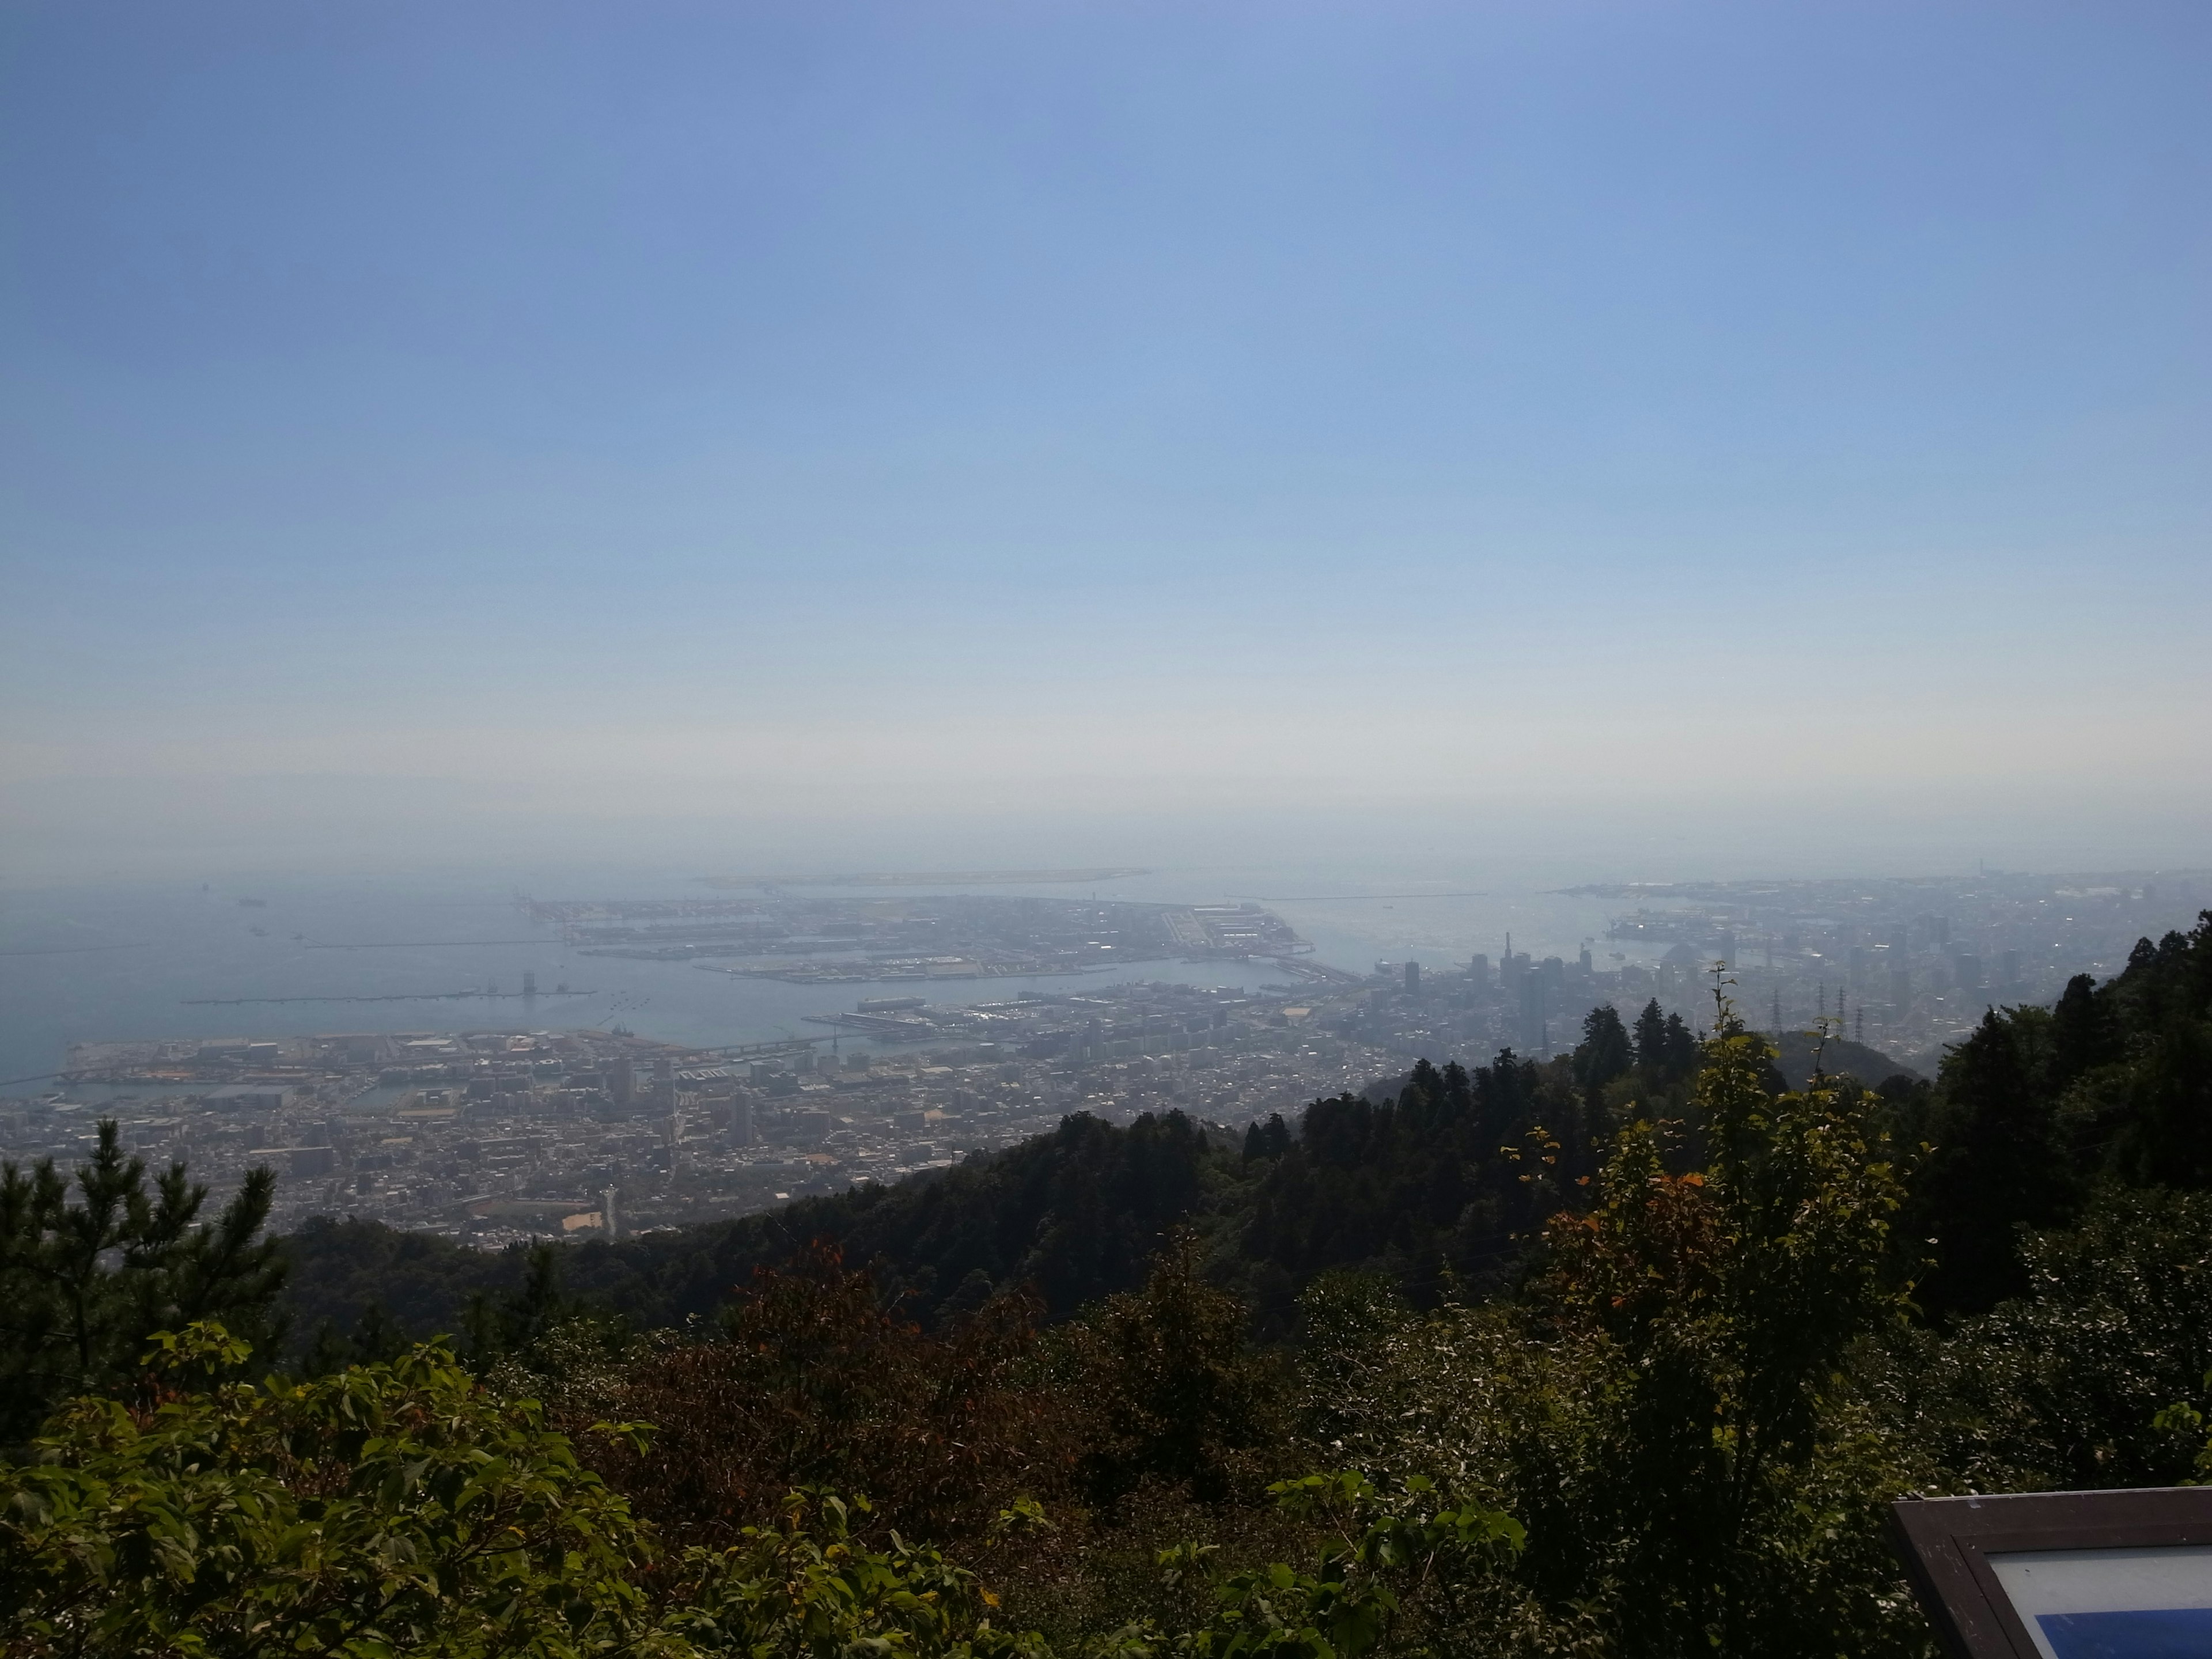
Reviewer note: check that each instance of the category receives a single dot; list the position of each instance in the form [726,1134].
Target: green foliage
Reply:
[1724,1305]
[2183,1418]
[2038,1108]
[806,1586]
[809,1380]
[1999,1163]
[1270,1139]
[1163,1376]
[1666,1049]
[1421,1189]
[1605,1052]
[376,1337]
[1380,1556]
[2160,1130]
[1649,1300]
[515,1323]
[1073,1216]
[90,1269]
[2059,1386]
[389,1509]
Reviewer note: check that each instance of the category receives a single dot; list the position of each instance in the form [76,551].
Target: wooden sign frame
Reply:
[1946,1543]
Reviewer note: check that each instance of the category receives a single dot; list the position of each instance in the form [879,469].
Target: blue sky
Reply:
[1047,425]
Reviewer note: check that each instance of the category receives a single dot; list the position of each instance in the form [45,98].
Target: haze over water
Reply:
[139,961]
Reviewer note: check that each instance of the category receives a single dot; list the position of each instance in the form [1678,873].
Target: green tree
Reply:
[1605,1052]
[1999,1164]
[2084,1031]
[513,1324]
[807,1587]
[811,1381]
[91,1268]
[1725,1305]
[389,1509]
[1164,1373]
[1665,1051]
[2057,1388]
[1270,1139]
[2164,1002]
[1383,1563]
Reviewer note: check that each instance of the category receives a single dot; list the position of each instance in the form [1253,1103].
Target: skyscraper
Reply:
[1532,1012]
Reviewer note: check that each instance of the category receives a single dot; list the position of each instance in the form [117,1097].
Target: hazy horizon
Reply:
[1633,442]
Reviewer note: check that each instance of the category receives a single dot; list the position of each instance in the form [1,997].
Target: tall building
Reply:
[1532,1012]
[1414,979]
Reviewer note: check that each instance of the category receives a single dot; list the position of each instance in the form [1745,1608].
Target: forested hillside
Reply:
[1075,1214]
[1444,1177]
[1620,1355]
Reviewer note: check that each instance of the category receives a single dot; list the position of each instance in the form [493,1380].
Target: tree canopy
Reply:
[1619,1354]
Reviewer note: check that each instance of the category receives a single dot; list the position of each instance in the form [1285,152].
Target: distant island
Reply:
[931,878]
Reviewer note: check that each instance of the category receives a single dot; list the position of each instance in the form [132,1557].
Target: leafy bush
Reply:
[806,1586]
[809,1380]
[1382,1555]
[389,1509]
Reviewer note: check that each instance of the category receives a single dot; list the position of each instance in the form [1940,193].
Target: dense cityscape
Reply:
[497,1134]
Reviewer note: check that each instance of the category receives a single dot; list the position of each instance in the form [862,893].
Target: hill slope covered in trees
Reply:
[1623,1355]
[1444,1178]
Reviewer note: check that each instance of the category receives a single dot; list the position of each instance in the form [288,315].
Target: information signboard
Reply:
[2065,1575]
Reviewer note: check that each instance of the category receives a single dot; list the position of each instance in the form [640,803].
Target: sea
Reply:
[141,961]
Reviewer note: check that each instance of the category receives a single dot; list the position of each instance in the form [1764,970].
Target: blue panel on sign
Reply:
[2161,1633]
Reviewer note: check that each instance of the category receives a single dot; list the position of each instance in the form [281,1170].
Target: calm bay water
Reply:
[129,961]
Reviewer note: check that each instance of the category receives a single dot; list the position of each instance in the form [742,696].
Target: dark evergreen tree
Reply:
[1651,1038]
[1666,1048]
[2084,1031]
[90,1269]
[512,1323]
[1678,1051]
[2163,1132]
[1181,1394]
[1604,1052]
[1998,1164]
